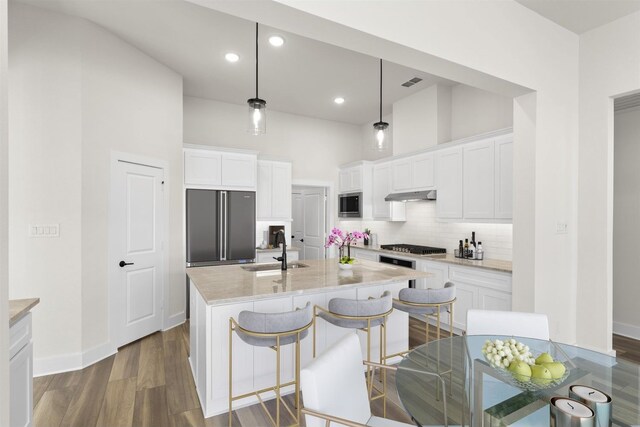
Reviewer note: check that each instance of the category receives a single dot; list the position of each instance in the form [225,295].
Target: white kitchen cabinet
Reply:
[21,373]
[219,170]
[364,254]
[481,289]
[239,171]
[439,274]
[478,182]
[423,171]
[267,255]
[413,173]
[202,167]
[402,175]
[274,191]
[504,177]
[351,179]
[383,186]
[449,183]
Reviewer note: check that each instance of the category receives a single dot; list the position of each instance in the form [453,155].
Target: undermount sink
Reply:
[272,267]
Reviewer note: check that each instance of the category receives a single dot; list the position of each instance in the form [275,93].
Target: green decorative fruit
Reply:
[540,375]
[544,358]
[557,369]
[520,370]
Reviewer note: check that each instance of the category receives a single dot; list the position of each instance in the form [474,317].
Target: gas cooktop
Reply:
[414,249]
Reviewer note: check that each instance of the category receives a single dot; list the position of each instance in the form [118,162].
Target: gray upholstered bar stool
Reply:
[272,330]
[363,315]
[428,303]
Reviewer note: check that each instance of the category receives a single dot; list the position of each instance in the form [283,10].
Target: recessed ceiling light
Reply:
[232,57]
[339,100]
[276,41]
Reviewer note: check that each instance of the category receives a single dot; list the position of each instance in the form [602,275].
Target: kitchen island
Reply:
[220,292]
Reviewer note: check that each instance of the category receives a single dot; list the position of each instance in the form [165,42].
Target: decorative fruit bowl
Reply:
[515,364]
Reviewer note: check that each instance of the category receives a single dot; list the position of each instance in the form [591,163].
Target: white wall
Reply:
[77,93]
[609,64]
[4,226]
[475,111]
[423,228]
[422,120]
[626,233]
[512,55]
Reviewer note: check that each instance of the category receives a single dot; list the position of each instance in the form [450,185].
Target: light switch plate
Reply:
[561,228]
[44,230]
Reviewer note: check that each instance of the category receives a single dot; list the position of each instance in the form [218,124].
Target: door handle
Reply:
[302,240]
[122,263]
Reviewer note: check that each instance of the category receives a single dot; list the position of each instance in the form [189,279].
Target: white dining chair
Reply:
[491,322]
[334,389]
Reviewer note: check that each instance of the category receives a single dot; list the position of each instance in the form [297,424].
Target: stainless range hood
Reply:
[413,196]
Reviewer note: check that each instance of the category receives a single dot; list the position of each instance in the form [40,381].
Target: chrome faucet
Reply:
[280,236]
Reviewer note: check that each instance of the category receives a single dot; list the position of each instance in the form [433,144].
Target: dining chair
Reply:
[492,322]
[334,388]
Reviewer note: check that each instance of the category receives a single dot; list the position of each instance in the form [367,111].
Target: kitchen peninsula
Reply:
[221,292]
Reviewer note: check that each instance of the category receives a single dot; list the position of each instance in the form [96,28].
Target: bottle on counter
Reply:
[473,239]
[472,251]
[465,254]
[480,252]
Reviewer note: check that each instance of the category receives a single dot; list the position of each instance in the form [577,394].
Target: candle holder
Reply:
[595,399]
[567,412]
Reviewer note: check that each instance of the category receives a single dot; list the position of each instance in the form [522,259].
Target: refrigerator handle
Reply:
[223,225]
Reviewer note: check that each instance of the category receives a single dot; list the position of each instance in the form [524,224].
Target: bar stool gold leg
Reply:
[315,313]
[278,381]
[298,379]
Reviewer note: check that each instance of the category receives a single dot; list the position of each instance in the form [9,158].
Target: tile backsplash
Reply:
[422,228]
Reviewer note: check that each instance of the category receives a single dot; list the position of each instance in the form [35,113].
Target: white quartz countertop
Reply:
[18,308]
[487,263]
[231,283]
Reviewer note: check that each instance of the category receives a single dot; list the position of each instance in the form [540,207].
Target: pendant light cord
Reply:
[380,89]
[256,60]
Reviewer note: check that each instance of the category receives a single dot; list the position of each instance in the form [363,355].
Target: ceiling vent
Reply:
[627,102]
[411,82]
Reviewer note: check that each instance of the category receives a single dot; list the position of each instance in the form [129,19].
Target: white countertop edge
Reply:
[236,300]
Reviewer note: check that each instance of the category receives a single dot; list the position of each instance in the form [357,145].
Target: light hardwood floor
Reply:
[149,383]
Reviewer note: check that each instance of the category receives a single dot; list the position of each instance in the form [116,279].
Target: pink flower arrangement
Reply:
[341,239]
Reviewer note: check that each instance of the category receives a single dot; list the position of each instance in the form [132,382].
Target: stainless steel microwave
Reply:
[350,205]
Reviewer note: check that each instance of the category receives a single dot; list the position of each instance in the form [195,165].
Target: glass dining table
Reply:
[449,382]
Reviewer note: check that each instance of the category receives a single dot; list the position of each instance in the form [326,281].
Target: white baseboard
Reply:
[57,364]
[624,329]
[72,361]
[174,320]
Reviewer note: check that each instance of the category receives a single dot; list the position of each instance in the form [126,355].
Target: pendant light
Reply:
[257,124]
[380,129]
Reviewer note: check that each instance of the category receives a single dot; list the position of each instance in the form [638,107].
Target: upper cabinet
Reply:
[449,183]
[224,170]
[274,191]
[413,173]
[504,177]
[351,179]
[382,186]
[478,186]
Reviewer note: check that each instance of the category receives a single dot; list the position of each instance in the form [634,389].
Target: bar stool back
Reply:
[272,330]
[363,315]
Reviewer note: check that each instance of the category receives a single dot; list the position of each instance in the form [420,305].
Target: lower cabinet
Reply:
[364,254]
[21,374]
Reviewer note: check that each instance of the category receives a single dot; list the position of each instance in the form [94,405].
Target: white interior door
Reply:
[314,223]
[297,226]
[137,209]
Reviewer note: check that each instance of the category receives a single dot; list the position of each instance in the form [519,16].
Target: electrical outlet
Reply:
[44,230]
[561,228]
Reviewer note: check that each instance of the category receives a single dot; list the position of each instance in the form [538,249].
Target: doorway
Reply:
[626,210]
[137,218]
[309,226]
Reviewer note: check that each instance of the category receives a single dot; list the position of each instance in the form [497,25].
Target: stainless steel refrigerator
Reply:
[221,227]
